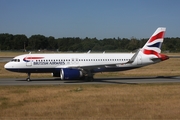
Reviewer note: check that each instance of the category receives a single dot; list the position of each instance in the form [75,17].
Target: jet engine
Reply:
[68,73]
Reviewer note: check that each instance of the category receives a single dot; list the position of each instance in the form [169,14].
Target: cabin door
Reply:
[28,61]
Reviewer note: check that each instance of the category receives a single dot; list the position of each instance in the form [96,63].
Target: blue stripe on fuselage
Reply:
[32,70]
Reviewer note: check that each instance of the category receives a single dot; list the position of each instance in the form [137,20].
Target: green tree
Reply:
[6,41]
[133,44]
[20,42]
[37,42]
[52,43]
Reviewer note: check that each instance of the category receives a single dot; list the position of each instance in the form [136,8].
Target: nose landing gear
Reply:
[28,79]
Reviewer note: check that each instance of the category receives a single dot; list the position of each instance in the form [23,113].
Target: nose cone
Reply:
[7,66]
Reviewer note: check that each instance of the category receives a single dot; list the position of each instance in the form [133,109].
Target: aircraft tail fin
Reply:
[153,45]
[155,41]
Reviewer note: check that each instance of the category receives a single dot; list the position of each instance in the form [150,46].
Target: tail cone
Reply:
[163,57]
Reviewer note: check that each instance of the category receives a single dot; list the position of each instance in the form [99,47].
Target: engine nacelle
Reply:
[68,73]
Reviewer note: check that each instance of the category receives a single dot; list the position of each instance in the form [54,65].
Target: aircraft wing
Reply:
[87,66]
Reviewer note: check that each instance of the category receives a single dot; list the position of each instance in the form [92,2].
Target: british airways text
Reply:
[49,63]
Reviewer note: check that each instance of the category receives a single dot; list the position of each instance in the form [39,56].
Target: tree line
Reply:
[76,44]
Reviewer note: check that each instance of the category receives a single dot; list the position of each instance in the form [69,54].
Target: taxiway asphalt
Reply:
[52,81]
[5,59]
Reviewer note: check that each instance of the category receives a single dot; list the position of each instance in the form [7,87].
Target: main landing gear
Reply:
[28,79]
[89,76]
[89,79]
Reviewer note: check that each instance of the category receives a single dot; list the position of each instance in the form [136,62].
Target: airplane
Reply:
[84,65]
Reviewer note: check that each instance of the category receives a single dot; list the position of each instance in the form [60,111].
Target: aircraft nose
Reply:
[10,67]
[7,65]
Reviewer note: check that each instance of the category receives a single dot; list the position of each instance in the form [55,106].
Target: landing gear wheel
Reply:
[89,79]
[88,76]
[28,79]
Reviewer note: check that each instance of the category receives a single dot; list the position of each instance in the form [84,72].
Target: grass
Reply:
[11,54]
[124,101]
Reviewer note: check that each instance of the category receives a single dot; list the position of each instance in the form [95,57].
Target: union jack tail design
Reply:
[155,41]
[153,45]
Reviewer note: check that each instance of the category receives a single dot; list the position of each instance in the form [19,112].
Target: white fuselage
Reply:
[96,62]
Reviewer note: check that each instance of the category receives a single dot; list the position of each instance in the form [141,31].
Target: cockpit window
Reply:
[15,60]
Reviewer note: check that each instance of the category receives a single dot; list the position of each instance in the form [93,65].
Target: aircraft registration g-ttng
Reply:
[85,65]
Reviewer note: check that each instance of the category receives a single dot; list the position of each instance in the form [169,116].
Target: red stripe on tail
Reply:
[152,52]
[157,36]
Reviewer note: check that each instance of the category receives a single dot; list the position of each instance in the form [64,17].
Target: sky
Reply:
[90,18]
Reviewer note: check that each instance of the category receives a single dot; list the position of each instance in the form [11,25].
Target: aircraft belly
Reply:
[112,69]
